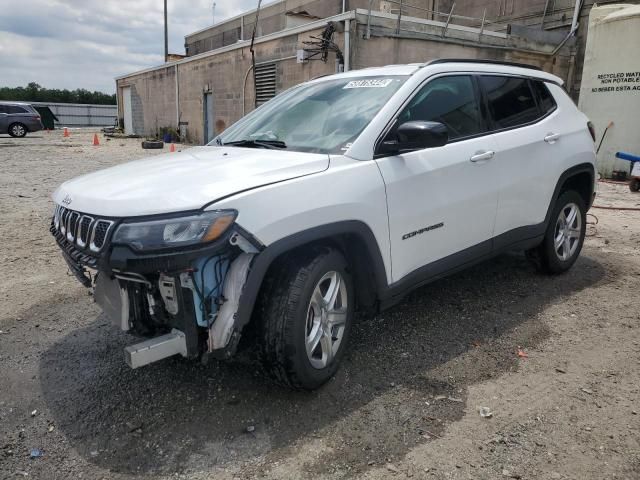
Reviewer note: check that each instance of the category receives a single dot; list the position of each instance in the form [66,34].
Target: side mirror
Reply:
[416,135]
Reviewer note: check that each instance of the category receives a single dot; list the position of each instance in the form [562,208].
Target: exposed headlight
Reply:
[175,232]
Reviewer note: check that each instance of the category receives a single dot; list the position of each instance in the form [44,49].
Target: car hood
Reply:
[184,180]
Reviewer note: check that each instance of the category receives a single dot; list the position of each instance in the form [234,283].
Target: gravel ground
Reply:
[405,404]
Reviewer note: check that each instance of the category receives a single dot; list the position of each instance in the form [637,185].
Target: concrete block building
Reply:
[215,84]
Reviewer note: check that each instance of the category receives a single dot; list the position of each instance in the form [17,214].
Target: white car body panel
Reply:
[348,190]
[528,167]
[438,186]
[534,164]
[183,181]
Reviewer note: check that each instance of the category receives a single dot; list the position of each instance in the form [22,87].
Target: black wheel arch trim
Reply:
[265,259]
[566,175]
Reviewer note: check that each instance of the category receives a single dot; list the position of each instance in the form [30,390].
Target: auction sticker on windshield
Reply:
[370,83]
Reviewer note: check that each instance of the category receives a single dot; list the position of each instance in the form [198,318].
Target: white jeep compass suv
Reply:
[341,194]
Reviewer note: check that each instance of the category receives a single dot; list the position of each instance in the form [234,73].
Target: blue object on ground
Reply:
[628,156]
[36,453]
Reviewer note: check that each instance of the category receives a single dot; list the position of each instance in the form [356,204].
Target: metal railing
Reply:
[447,17]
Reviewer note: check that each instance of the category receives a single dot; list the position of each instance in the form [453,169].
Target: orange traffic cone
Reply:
[172,148]
[96,142]
[66,132]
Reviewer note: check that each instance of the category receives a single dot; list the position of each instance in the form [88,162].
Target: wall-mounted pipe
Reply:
[544,14]
[574,26]
[347,45]
[576,14]
[177,100]
[368,34]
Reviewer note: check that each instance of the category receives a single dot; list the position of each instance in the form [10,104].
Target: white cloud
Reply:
[86,43]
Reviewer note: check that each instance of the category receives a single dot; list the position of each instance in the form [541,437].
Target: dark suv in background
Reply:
[18,118]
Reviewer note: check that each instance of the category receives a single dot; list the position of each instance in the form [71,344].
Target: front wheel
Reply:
[564,237]
[17,130]
[307,308]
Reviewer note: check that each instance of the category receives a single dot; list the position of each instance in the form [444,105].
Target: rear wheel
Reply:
[307,309]
[634,184]
[564,237]
[17,130]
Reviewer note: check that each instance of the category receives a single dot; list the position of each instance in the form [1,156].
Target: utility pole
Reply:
[166,34]
[213,13]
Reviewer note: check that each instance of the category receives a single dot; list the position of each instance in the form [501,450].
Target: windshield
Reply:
[322,117]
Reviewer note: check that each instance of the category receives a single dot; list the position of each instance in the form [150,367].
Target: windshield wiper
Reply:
[272,144]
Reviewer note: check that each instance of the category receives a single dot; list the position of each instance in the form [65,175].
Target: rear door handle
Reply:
[551,137]
[480,156]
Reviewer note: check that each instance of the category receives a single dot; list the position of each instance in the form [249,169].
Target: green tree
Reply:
[36,93]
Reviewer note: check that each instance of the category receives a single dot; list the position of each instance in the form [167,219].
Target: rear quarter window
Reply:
[511,100]
[545,99]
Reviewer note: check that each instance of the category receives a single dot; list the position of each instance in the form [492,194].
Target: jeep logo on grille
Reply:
[67,200]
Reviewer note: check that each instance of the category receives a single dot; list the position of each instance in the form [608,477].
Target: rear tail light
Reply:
[592,131]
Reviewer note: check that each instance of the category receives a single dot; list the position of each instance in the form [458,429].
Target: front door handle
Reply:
[551,137]
[481,156]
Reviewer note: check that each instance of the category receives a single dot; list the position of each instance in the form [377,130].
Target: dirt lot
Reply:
[405,404]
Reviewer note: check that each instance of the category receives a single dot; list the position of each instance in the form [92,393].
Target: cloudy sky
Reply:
[86,43]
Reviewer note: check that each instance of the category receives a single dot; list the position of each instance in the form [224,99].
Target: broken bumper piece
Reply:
[155,349]
[183,301]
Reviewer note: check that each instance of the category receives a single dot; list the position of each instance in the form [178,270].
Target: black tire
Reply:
[284,310]
[544,256]
[17,130]
[634,184]
[152,144]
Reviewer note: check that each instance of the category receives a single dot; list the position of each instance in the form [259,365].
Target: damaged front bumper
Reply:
[184,300]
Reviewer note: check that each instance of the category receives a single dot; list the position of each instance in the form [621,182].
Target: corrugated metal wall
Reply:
[81,115]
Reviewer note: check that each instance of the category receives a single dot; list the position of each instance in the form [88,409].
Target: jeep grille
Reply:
[82,230]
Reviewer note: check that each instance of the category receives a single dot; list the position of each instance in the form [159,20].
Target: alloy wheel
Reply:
[567,232]
[326,319]
[18,130]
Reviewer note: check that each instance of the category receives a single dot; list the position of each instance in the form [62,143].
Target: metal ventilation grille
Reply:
[265,82]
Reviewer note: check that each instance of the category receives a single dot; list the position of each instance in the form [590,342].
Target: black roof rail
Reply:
[483,61]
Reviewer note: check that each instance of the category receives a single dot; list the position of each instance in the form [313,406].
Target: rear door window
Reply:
[511,101]
[16,109]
